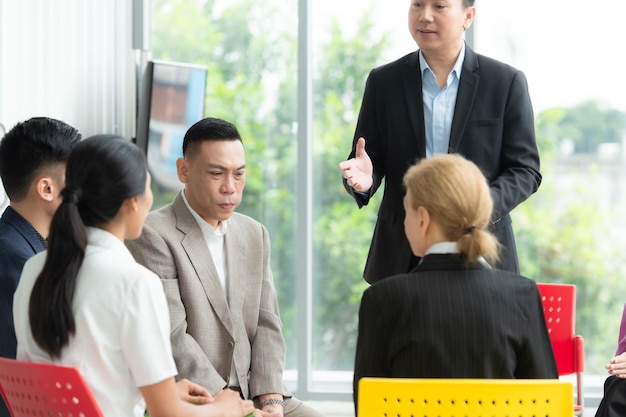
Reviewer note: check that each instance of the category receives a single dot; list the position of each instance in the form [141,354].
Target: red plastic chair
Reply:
[559,307]
[37,389]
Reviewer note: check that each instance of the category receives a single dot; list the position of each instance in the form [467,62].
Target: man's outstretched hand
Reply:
[358,170]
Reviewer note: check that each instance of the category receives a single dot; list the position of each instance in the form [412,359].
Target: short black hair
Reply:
[30,147]
[210,128]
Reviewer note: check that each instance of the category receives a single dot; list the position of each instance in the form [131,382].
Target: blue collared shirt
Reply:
[439,104]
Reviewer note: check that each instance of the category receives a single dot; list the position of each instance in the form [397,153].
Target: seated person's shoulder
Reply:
[13,244]
[246,224]
[522,285]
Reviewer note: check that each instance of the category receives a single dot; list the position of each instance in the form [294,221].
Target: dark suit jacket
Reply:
[18,242]
[449,320]
[493,126]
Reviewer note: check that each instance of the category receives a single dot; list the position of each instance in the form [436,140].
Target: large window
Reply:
[569,231]
[250,50]
[349,38]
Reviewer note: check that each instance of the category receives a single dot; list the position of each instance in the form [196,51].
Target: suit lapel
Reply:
[412,81]
[468,85]
[198,254]
[235,264]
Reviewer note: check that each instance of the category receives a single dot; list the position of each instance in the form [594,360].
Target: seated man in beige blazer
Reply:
[215,267]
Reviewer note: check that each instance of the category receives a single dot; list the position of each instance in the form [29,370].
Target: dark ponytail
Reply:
[102,172]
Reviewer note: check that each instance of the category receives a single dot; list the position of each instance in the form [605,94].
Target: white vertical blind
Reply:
[69,59]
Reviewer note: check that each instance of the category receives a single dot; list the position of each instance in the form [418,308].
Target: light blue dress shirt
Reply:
[439,104]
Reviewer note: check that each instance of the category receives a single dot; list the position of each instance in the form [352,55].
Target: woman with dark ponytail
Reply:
[453,316]
[87,304]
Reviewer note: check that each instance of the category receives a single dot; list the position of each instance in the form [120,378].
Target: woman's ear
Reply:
[131,204]
[423,217]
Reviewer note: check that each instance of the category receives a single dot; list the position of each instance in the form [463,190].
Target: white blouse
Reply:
[122,339]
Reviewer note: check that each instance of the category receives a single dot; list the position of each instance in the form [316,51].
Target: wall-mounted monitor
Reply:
[170,100]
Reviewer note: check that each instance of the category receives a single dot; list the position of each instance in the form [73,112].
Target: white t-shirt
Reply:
[122,338]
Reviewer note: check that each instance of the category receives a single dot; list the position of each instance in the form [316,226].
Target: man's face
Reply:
[437,26]
[214,178]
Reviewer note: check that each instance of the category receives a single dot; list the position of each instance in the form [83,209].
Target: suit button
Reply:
[231,345]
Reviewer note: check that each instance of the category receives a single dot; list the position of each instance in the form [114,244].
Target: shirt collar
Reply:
[442,247]
[105,239]
[458,65]
[207,229]
[450,247]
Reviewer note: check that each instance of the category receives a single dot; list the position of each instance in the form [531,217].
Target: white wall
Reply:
[68,59]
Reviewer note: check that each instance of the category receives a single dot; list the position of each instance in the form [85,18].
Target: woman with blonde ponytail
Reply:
[454,197]
[453,316]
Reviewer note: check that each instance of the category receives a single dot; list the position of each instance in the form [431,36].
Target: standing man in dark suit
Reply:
[32,168]
[453,316]
[443,98]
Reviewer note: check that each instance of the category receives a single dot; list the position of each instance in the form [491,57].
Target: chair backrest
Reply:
[441,397]
[37,389]
[559,308]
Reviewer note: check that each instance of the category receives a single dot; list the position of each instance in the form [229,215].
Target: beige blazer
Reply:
[208,330]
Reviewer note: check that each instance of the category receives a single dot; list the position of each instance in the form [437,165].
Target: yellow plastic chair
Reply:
[439,397]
